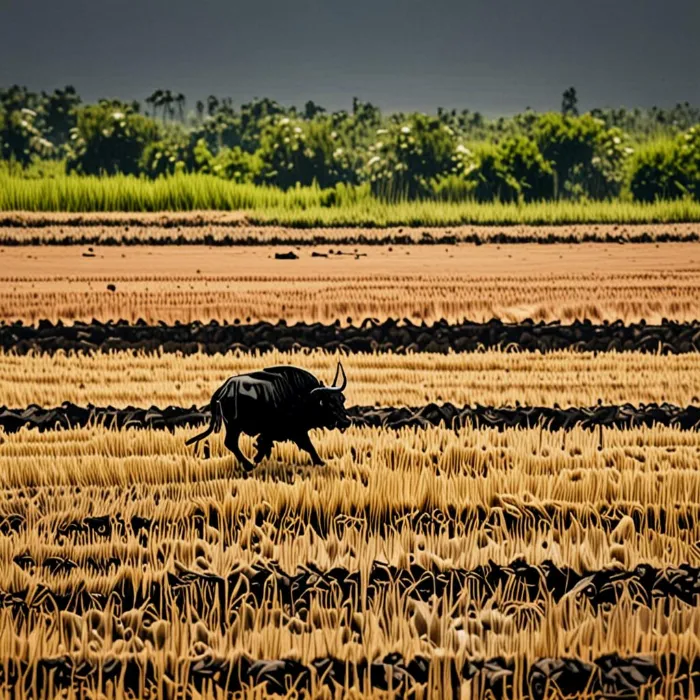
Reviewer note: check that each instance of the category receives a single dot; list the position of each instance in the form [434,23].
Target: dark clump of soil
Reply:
[371,335]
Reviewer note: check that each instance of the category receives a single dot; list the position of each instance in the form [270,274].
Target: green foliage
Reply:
[293,152]
[407,158]
[236,164]
[166,156]
[644,124]
[38,169]
[310,206]
[480,170]
[524,173]
[453,188]
[645,154]
[226,128]
[512,171]
[668,169]
[110,138]
[20,138]
[58,115]
[588,160]
[178,153]
[689,160]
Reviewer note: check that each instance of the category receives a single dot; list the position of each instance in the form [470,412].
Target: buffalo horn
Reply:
[334,388]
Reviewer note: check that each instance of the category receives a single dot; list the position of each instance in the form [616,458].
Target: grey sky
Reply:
[496,56]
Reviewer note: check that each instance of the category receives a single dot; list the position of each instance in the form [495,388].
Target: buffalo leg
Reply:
[303,442]
[231,442]
[264,446]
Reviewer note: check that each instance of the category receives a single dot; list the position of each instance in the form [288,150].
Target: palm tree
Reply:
[200,110]
[167,102]
[180,100]
[155,100]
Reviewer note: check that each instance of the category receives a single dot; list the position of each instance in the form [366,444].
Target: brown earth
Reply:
[565,282]
[232,228]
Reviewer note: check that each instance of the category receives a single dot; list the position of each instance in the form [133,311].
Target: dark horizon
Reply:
[495,57]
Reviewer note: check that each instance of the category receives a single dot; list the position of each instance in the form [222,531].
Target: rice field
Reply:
[175,283]
[311,206]
[163,521]
[419,562]
[489,378]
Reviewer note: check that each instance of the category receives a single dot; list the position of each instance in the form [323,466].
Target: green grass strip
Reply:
[311,206]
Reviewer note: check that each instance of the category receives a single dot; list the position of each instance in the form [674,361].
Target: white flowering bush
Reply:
[20,138]
[303,152]
[406,158]
[510,171]
[668,169]
[588,160]
[109,138]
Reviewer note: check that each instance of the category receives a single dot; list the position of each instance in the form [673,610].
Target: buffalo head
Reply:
[328,404]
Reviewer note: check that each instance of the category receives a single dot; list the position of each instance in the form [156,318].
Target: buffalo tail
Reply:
[214,424]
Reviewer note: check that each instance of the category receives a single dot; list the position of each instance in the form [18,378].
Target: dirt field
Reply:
[594,281]
[64,227]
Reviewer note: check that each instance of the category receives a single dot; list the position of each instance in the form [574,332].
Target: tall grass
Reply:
[311,206]
[426,213]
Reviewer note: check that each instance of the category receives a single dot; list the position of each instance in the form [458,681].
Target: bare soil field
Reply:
[232,228]
[491,378]
[181,283]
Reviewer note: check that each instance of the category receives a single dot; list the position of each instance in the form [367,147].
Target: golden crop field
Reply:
[490,378]
[419,563]
[170,283]
[206,524]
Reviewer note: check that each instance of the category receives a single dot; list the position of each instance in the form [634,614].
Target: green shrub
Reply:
[58,116]
[166,156]
[588,160]
[654,172]
[408,157]
[482,169]
[667,169]
[689,160]
[110,138]
[294,152]
[38,169]
[453,188]
[236,164]
[512,171]
[525,174]
[20,138]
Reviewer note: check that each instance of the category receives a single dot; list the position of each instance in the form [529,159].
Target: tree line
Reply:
[646,154]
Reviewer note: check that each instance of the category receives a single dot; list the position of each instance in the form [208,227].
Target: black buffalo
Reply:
[277,404]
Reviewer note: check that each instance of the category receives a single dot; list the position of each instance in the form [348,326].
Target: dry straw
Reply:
[490,378]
